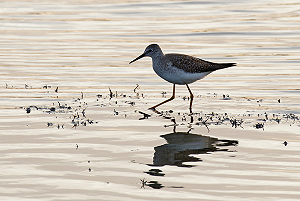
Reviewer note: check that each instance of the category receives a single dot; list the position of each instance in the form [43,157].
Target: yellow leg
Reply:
[191,97]
[172,97]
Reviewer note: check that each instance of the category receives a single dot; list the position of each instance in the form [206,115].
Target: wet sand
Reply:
[64,136]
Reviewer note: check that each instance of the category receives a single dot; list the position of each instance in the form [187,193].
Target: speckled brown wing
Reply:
[194,65]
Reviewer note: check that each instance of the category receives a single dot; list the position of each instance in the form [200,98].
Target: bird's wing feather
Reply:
[194,65]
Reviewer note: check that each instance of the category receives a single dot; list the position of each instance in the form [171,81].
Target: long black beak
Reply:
[139,57]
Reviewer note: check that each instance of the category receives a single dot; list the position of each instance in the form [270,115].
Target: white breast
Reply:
[178,76]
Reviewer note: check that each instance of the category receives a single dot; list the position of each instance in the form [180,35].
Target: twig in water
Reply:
[137,87]
[110,93]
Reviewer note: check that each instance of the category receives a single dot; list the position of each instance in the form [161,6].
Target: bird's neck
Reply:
[157,64]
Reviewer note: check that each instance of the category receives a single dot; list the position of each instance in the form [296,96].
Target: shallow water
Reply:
[64,138]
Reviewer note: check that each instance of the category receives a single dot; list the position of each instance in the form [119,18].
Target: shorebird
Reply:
[179,69]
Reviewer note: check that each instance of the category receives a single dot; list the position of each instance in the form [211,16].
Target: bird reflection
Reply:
[180,146]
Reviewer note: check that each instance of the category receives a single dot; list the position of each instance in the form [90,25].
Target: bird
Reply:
[179,69]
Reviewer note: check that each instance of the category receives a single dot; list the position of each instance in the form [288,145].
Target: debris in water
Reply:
[259,125]
[137,87]
[28,110]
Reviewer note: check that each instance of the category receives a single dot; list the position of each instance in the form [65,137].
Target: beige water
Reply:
[63,138]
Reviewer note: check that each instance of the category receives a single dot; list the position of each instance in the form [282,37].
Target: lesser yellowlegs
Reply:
[179,68]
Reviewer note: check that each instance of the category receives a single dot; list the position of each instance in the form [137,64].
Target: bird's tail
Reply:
[226,65]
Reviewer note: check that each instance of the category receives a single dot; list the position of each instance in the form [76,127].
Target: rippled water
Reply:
[64,138]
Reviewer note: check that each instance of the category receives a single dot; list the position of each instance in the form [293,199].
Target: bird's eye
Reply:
[150,50]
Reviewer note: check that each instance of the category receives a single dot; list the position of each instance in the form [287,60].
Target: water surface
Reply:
[64,138]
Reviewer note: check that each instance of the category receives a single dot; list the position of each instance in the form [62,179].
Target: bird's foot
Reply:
[154,110]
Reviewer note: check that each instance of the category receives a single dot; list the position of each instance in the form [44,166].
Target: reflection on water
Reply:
[180,146]
[152,184]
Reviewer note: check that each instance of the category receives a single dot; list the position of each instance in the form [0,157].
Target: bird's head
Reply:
[152,51]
